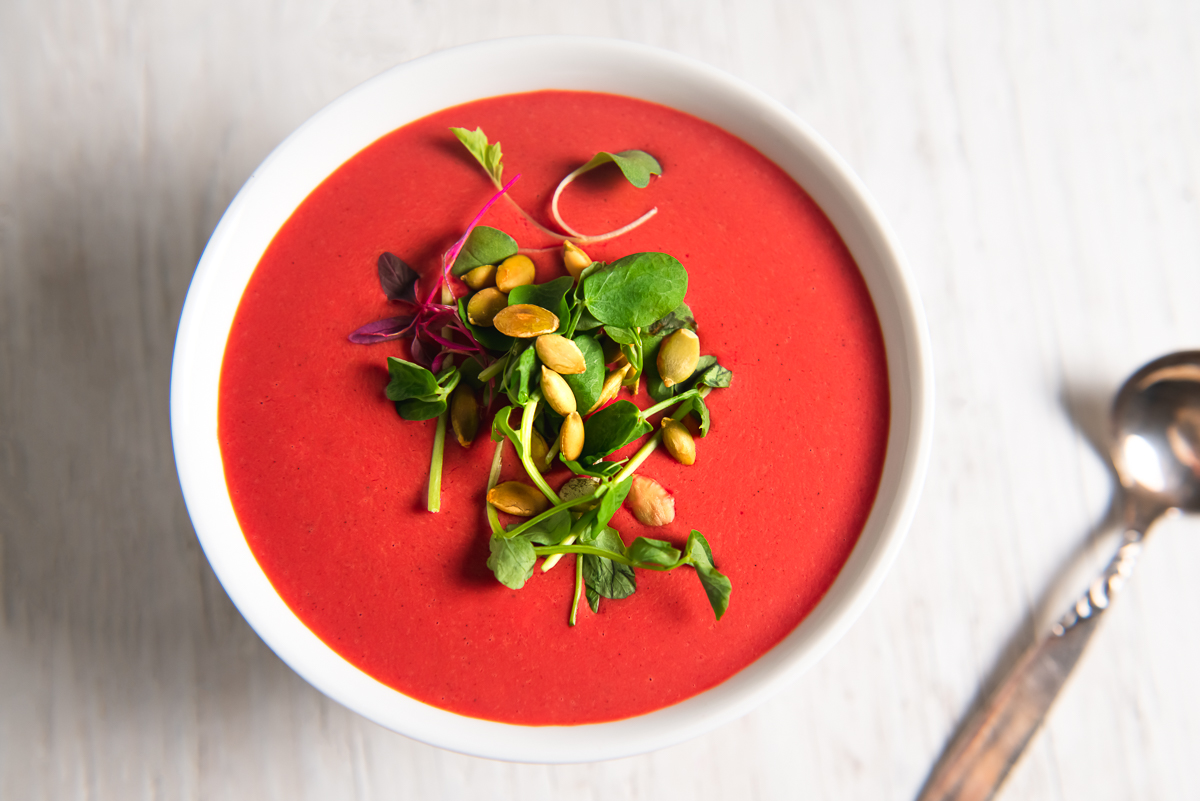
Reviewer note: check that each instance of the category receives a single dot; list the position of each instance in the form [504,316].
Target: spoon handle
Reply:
[991,740]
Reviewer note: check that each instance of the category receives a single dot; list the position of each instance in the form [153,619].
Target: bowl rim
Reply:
[450,77]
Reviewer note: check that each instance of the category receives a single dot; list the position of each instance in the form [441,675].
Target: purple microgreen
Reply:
[384,330]
[398,280]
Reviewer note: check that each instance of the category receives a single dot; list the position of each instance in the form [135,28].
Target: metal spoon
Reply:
[1156,452]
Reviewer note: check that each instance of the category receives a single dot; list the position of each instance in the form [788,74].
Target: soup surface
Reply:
[328,482]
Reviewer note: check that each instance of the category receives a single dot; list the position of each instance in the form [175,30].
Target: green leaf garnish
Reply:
[511,560]
[716,584]
[523,377]
[604,577]
[635,291]
[612,500]
[611,429]
[587,385]
[418,394]
[716,376]
[484,245]
[550,531]
[409,381]
[636,165]
[677,318]
[654,552]
[550,295]
[486,154]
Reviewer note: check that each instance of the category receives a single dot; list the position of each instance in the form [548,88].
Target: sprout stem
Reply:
[434,500]
[586,238]
[492,369]
[578,588]
[493,479]
[526,433]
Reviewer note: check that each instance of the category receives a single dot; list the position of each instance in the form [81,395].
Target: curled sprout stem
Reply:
[571,235]
[581,238]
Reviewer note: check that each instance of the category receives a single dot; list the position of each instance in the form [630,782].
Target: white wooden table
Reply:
[1041,164]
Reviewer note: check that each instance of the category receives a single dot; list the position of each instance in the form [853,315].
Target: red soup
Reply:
[328,482]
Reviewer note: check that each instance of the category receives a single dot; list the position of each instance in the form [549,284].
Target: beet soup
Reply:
[328,482]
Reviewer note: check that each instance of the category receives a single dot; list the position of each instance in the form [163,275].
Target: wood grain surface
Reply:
[1040,161]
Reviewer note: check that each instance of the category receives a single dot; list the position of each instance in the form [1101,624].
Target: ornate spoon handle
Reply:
[992,739]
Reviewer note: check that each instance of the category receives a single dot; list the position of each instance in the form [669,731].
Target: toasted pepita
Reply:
[557,392]
[677,356]
[524,320]
[485,305]
[518,498]
[560,354]
[515,271]
[678,441]
[464,414]
[571,437]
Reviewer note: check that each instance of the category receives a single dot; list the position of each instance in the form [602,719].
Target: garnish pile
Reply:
[559,353]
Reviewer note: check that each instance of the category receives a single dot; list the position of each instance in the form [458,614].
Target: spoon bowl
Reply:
[1156,435]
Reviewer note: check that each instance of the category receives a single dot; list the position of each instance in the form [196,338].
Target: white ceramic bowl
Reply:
[418,88]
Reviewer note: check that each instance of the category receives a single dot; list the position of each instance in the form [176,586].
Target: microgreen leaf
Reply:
[695,406]
[511,560]
[523,378]
[550,296]
[636,165]
[679,317]
[484,245]
[653,552]
[635,291]
[417,409]
[397,279]
[486,154]
[622,336]
[502,429]
[611,429]
[550,531]
[585,528]
[611,501]
[409,380]
[599,469]
[716,584]
[587,385]
[606,578]
[716,376]
[585,321]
